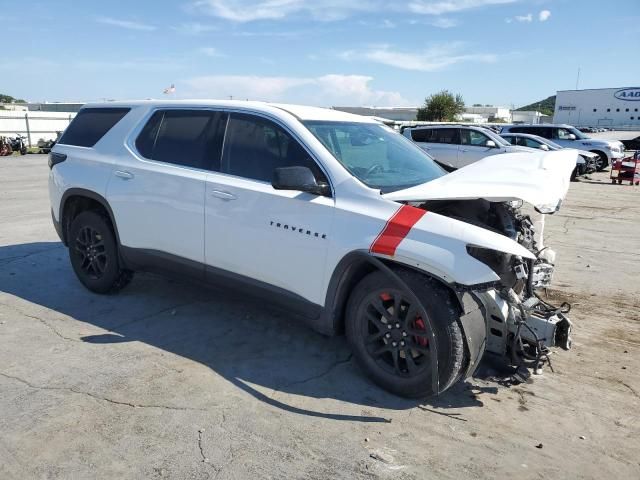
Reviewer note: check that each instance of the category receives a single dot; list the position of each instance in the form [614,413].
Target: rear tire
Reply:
[397,358]
[93,251]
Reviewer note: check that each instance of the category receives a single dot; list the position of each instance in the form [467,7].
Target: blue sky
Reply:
[322,52]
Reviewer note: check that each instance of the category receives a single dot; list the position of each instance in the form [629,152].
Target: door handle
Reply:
[123,174]
[464,150]
[223,195]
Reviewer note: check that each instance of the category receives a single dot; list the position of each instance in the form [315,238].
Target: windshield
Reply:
[578,133]
[376,155]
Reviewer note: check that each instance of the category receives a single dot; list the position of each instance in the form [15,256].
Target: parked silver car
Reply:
[455,146]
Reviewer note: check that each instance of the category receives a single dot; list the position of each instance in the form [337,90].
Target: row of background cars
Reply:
[455,146]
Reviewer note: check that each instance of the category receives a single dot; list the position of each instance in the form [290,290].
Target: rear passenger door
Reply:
[274,237]
[157,190]
[443,144]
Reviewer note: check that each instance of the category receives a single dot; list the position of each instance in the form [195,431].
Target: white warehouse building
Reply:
[609,107]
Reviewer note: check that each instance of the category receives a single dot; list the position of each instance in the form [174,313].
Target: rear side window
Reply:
[544,132]
[445,135]
[190,138]
[255,147]
[90,125]
[421,135]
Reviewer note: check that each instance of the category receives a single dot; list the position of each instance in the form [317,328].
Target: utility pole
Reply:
[578,79]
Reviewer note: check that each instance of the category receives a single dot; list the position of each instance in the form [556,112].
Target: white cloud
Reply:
[444,22]
[325,90]
[210,52]
[440,7]
[128,24]
[194,28]
[252,10]
[528,18]
[435,58]
[544,15]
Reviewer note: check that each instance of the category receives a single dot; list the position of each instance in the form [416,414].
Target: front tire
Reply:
[388,333]
[602,161]
[93,252]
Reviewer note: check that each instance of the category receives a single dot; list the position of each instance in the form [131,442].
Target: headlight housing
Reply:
[501,263]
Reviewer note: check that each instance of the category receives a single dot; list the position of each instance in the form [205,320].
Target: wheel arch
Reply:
[76,200]
[352,268]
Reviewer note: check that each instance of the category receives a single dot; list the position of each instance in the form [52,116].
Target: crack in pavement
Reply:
[98,397]
[326,372]
[149,315]
[41,320]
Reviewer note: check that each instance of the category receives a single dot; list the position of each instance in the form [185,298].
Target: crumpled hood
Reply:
[538,177]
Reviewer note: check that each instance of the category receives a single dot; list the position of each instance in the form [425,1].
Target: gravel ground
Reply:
[170,380]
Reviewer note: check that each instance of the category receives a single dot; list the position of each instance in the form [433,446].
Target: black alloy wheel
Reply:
[90,247]
[387,328]
[396,335]
[93,251]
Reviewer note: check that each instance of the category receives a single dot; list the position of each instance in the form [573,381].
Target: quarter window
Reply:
[255,147]
[90,125]
[190,138]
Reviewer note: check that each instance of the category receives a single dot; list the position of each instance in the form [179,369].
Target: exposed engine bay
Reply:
[520,324]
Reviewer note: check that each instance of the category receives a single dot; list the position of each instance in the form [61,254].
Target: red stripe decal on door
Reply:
[396,229]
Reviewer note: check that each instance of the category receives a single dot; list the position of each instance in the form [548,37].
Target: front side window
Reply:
[531,143]
[190,138]
[255,147]
[473,138]
[376,155]
[563,134]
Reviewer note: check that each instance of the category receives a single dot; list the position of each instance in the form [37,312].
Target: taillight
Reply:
[56,158]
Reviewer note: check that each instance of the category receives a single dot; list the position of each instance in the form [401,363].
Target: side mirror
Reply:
[544,147]
[490,144]
[572,136]
[298,178]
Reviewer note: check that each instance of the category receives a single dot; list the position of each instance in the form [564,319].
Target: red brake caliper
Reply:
[385,297]
[419,324]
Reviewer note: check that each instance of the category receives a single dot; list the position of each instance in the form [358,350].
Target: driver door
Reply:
[473,147]
[275,237]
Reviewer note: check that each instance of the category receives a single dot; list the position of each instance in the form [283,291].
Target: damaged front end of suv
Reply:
[487,200]
[520,324]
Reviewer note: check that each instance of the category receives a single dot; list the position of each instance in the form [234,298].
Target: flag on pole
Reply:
[170,90]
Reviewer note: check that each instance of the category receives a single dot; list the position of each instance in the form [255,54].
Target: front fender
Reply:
[438,245]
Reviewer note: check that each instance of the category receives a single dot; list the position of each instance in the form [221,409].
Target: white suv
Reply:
[337,217]
[456,146]
[570,137]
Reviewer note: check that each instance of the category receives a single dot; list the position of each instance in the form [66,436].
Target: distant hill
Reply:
[546,106]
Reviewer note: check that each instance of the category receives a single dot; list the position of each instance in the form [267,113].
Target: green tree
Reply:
[441,107]
[10,99]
